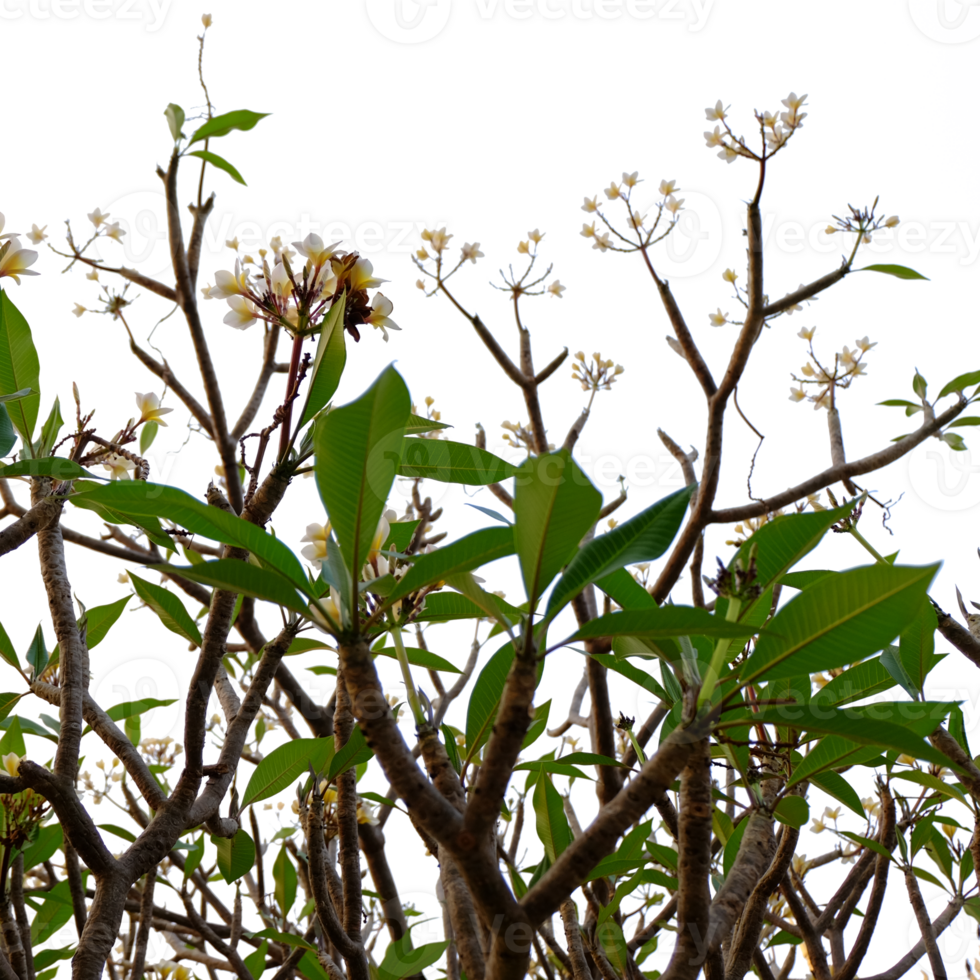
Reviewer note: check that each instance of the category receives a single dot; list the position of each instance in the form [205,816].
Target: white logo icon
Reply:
[408,21]
[138,679]
[957,943]
[144,248]
[945,479]
[947,21]
[694,245]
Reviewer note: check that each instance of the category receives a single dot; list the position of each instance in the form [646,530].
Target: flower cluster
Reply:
[642,232]
[518,436]
[776,129]
[595,376]
[269,289]
[848,365]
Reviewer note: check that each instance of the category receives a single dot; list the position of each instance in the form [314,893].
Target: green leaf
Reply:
[220,162]
[732,845]
[13,738]
[856,683]
[929,781]
[416,425]
[100,619]
[284,765]
[917,647]
[126,835]
[792,810]
[838,620]
[965,420]
[485,698]
[222,125]
[633,673]
[23,393]
[866,725]
[960,382]
[19,368]
[550,820]
[50,430]
[130,709]
[147,434]
[554,506]
[955,441]
[451,462]
[289,938]
[168,607]
[352,754]
[420,658]
[357,452]
[401,960]
[195,852]
[664,621]
[899,271]
[240,576]
[835,785]
[640,539]
[175,120]
[610,935]
[53,466]
[140,499]
[45,845]
[54,912]
[45,957]
[621,587]
[919,384]
[37,654]
[7,650]
[443,607]
[7,702]
[236,855]
[7,434]
[472,551]
[255,961]
[872,845]
[832,752]
[329,362]
[284,875]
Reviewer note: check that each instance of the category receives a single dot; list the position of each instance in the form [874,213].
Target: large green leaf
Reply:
[633,673]
[441,607]
[236,855]
[329,362]
[663,621]
[142,500]
[451,462]
[285,877]
[401,959]
[856,683]
[899,271]
[286,764]
[887,725]
[240,576]
[835,785]
[621,587]
[100,619]
[7,434]
[550,820]
[7,650]
[420,658]
[222,125]
[832,752]
[220,162]
[960,382]
[918,644]
[840,619]
[354,752]
[53,466]
[642,538]
[473,551]
[485,698]
[54,912]
[49,431]
[168,607]
[357,452]
[554,506]
[19,368]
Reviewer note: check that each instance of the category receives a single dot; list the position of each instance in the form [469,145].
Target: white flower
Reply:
[114,231]
[471,252]
[556,289]
[150,410]
[602,241]
[591,204]
[667,187]
[118,466]
[242,314]
[11,762]
[281,284]
[381,306]
[229,283]
[316,550]
[313,248]
[439,239]
[97,217]
[717,111]
[718,319]
[362,276]
[673,204]
[79,309]
[36,235]
[15,259]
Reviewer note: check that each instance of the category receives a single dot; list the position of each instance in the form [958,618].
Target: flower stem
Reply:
[284,432]
[413,698]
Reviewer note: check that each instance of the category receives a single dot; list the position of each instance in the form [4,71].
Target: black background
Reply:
[496,126]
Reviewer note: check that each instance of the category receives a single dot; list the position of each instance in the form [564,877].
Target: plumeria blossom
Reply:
[316,551]
[556,289]
[595,373]
[612,191]
[717,111]
[438,239]
[714,137]
[377,563]
[79,309]
[98,218]
[365,813]
[114,231]
[602,242]
[588,231]
[36,235]
[729,275]
[296,298]
[536,236]
[11,762]
[471,252]
[667,187]
[150,410]
[332,605]
[673,204]
[93,274]
[631,180]
[718,319]
[523,248]
[16,261]
[591,204]
[848,366]
[118,466]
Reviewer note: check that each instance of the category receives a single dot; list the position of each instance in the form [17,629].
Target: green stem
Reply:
[719,656]
[636,747]
[866,545]
[413,697]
